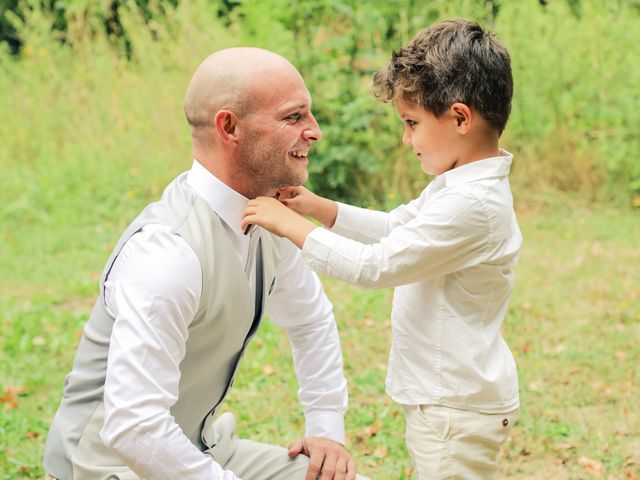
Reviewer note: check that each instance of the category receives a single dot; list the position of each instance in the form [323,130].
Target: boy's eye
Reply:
[411,123]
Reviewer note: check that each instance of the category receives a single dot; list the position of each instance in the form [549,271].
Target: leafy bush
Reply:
[574,124]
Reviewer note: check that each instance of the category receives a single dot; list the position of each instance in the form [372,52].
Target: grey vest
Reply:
[225,321]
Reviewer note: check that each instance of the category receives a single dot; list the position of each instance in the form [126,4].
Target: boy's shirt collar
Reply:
[492,167]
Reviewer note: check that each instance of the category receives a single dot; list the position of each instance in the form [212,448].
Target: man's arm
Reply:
[299,304]
[153,291]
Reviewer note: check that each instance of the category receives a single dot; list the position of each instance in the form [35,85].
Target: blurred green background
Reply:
[92,129]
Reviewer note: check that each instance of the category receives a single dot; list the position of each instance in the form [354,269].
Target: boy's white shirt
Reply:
[450,253]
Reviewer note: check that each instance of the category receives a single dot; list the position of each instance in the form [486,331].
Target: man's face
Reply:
[279,135]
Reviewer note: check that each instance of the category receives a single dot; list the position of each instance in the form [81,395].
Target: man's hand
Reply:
[328,460]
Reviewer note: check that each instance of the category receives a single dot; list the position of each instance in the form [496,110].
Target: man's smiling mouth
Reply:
[299,153]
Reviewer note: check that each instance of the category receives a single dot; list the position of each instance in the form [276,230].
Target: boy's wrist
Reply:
[329,211]
[298,231]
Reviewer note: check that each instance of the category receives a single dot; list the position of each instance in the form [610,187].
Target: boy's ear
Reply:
[226,125]
[462,116]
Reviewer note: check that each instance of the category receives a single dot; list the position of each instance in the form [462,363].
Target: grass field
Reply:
[574,327]
[88,138]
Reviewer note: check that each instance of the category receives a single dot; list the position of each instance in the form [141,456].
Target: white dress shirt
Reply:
[450,254]
[153,292]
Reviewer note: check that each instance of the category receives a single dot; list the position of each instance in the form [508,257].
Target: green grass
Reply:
[574,327]
[88,139]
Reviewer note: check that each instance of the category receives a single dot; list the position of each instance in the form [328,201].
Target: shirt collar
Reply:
[492,167]
[224,200]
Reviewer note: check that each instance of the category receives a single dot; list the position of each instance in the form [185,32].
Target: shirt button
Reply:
[505,422]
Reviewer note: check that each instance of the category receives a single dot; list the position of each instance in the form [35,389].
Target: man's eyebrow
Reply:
[287,109]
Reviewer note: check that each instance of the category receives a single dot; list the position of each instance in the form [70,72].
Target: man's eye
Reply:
[295,117]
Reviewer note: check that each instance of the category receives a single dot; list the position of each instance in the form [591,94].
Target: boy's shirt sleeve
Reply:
[370,226]
[361,224]
[453,233]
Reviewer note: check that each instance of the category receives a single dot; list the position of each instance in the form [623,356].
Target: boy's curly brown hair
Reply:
[451,61]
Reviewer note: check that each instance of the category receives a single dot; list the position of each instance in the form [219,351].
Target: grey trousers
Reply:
[246,459]
[252,460]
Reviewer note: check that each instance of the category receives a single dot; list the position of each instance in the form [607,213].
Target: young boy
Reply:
[450,253]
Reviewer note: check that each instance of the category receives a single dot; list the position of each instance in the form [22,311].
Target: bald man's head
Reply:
[231,79]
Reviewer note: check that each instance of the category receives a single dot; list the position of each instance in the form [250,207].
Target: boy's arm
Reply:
[451,235]
[353,222]
[280,220]
[360,224]
[308,204]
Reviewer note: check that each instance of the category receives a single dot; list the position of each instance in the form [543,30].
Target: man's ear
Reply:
[226,125]
[463,117]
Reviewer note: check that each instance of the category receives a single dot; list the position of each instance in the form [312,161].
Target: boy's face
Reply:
[433,139]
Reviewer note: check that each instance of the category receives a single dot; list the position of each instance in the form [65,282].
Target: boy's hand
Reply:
[307,203]
[328,460]
[269,213]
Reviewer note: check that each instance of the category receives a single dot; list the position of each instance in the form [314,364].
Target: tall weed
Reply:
[91,102]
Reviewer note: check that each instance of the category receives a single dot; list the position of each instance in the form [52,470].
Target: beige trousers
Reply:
[252,460]
[247,459]
[447,443]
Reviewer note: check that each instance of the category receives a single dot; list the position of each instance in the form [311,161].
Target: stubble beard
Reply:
[268,169]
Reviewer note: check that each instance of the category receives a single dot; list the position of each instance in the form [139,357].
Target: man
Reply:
[183,293]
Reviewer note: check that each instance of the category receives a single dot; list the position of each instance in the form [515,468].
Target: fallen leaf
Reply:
[593,467]
[381,452]
[268,370]
[371,430]
[565,446]
[10,397]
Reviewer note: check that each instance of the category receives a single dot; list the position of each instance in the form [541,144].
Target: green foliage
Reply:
[574,115]
[574,125]
[92,129]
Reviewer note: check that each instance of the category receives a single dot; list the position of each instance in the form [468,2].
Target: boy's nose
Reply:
[406,136]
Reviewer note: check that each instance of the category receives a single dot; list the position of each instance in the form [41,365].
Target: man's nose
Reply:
[312,132]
